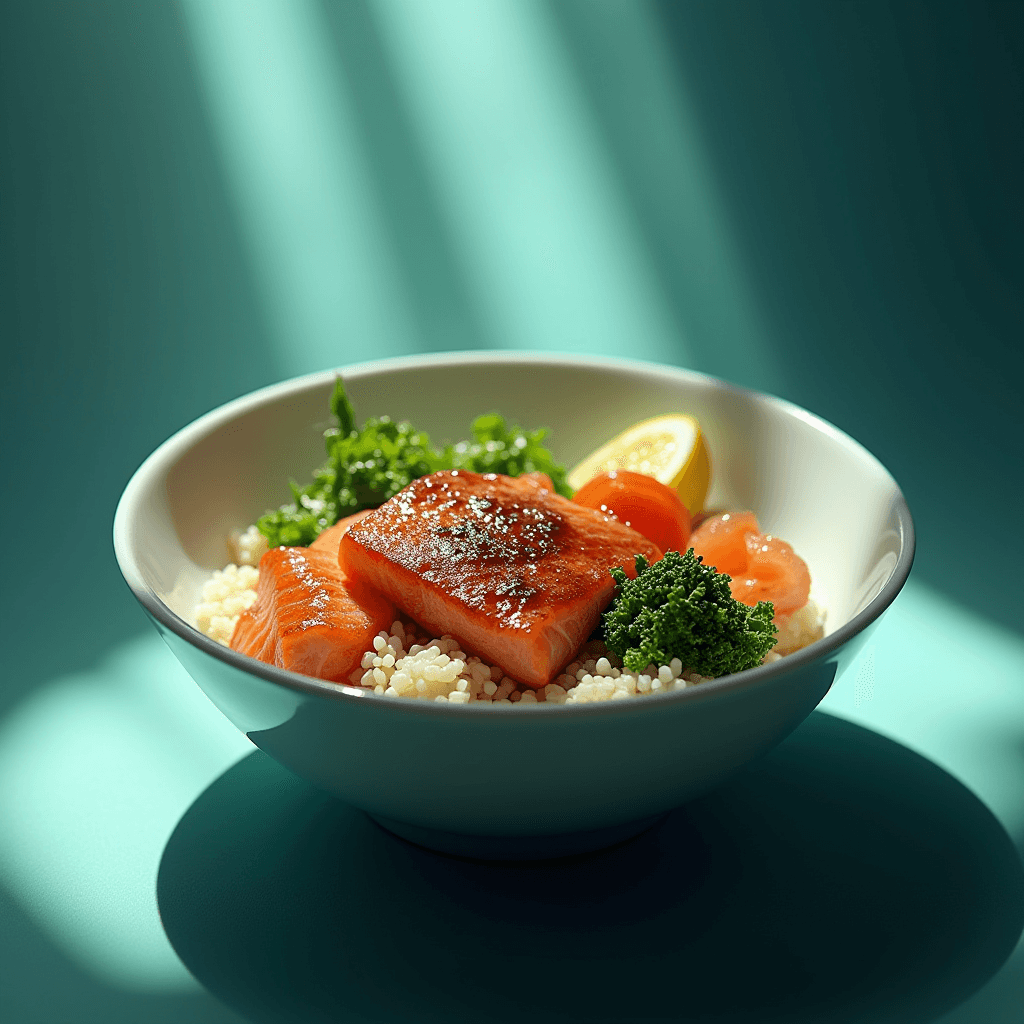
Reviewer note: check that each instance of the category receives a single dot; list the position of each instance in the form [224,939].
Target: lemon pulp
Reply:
[670,448]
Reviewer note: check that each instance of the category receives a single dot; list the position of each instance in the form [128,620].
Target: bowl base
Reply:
[496,848]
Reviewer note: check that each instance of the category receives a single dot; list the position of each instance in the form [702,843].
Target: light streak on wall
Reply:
[552,254]
[306,202]
[639,95]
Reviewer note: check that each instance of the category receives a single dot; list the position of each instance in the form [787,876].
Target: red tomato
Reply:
[642,502]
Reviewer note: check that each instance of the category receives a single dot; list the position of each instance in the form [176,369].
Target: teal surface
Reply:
[816,199]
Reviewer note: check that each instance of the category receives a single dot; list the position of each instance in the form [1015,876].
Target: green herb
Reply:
[680,608]
[367,466]
[508,450]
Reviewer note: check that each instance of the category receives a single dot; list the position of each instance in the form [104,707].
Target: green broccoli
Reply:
[681,608]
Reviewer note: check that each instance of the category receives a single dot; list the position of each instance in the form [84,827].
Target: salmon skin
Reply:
[517,574]
[308,618]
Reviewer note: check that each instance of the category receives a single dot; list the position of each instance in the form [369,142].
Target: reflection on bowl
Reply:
[496,781]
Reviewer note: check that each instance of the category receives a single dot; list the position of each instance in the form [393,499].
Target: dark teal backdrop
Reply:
[867,160]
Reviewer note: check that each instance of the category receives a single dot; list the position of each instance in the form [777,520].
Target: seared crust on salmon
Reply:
[308,617]
[516,573]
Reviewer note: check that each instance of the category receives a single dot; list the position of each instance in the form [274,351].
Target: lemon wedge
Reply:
[670,448]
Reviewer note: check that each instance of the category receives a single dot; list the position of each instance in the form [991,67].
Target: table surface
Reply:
[156,867]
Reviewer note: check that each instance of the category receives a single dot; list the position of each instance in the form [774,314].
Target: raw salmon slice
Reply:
[721,541]
[762,567]
[516,573]
[308,618]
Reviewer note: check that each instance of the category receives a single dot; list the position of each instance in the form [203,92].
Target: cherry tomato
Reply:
[642,502]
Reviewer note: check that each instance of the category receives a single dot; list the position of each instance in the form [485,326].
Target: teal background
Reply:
[821,200]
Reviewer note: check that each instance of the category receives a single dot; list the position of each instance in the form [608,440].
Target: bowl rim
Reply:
[165,456]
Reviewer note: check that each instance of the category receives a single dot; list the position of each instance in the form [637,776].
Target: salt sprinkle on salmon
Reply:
[516,573]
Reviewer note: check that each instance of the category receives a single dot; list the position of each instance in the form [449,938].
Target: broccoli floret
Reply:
[680,608]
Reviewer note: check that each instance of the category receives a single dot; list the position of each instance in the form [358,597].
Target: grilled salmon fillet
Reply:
[308,618]
[517,574]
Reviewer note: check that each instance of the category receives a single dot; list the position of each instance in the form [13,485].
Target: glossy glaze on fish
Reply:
[516,573]
[308,617]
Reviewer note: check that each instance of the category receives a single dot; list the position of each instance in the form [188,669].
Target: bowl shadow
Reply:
[841,877]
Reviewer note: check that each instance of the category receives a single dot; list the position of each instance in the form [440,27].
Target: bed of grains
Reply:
[803,627]
[404,663]
[231,590]
[407,663]
[225,596]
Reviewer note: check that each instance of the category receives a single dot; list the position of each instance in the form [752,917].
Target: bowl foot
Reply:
[543,847]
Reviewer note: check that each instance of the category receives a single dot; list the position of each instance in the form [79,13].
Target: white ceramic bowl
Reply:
[517,781]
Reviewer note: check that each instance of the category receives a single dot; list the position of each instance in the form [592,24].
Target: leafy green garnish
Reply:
[365,467]
[680,608]
[508,450]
